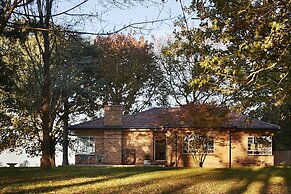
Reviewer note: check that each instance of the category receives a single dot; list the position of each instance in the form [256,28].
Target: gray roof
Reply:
[158,118]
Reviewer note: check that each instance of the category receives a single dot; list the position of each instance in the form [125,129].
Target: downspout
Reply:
[121,162]
[229,163]
[176,149]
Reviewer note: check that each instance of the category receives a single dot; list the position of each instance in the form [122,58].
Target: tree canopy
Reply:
[241,48]
[23,127]
[254,51]
[128,71]
[55,75]
[245,48]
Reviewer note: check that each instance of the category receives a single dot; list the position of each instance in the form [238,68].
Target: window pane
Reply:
[260,145]
[85,145]
[210,145]
[195,143]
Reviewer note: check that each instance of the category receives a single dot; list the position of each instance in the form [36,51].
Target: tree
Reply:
[37,19]
[189,78]
[255,46]
[7,8]
[196,124]
[72,58]
[79,91]
[9,71]
[198,146]
[248,52]
[186,81]
[10,76]
[279,115]
[128,71]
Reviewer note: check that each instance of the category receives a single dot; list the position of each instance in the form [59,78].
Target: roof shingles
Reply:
[168,118]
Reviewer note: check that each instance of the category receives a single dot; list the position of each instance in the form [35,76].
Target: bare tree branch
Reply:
[65,12]
[135,25]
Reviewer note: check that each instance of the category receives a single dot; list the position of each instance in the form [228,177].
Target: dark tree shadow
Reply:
[37,175]
[169,180]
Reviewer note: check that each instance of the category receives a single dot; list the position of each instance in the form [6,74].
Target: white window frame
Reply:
[186,148]
[254,148]
[85,145]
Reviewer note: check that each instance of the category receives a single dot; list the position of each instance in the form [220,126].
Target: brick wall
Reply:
[240,147]
[112,142]
[171,148]
[113,115]
[108,142]
[99,144]
[112,146]
[141,141]
[220,158]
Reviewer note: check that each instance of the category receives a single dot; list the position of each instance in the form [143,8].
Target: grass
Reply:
[145,180]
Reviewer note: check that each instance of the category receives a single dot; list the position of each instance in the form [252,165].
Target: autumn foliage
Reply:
[127,68]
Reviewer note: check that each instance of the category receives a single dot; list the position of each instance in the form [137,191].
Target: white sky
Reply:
[112,18]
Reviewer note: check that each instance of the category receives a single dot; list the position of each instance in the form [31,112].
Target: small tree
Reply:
[195,122]
[198,145]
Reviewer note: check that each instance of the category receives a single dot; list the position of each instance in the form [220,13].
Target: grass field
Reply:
[145,180]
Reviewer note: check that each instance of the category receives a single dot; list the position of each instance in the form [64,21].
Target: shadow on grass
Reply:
[239,180]
[166,180]
[244,180]
[33,176]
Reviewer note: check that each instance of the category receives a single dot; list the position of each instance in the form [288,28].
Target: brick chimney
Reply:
[113,115]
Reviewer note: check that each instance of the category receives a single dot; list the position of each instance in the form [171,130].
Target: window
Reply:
[260,145]
[195,143]
[85,145]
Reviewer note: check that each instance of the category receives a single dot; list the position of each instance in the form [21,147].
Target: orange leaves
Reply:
[126,66]
[120,42]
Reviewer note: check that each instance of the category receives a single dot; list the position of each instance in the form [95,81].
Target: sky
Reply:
[110,18]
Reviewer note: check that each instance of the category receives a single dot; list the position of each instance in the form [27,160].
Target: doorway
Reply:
[160,145]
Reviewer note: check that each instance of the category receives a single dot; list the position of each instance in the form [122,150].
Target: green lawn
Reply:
[145,180]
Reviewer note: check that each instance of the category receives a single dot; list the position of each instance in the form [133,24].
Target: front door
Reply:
[160,148]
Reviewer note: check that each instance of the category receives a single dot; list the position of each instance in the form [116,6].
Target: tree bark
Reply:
[48,155]
[46,95]
[65,132]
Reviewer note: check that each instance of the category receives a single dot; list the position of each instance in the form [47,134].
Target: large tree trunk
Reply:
[46,95]
[52,152]
[48,155]
[65,132]
[46,141]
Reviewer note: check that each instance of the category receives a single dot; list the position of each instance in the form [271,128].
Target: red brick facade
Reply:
[114,142]
[127,139]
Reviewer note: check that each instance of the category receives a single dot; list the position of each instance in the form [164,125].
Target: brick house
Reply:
[160,135]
